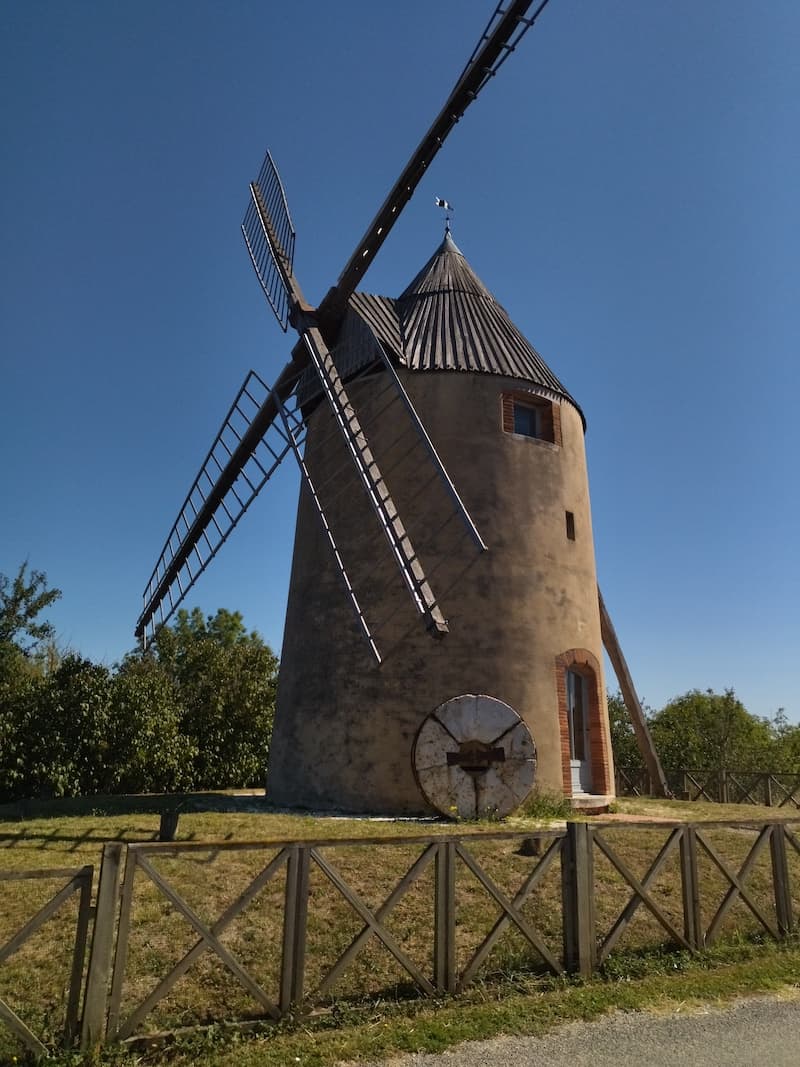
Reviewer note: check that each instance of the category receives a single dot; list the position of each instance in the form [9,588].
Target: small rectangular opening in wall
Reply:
[570,525]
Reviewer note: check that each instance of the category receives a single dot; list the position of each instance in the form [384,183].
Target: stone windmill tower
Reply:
[523,616]
[443,638]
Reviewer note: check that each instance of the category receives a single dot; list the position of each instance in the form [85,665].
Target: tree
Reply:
[224,679]
[151,753]
[22,639]
[66,732]
[623,739]
[711,731]
[22,600]
[20,692]
[194,711]
[786,755]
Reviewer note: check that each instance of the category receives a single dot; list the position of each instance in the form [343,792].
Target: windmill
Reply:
[426,662]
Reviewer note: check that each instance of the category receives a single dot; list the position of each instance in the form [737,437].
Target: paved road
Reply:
[751,1032]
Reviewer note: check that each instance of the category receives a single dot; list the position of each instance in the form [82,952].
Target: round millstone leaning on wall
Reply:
[474,757]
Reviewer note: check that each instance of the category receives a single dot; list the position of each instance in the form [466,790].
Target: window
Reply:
[577,718]
[530,415]
[526,421]
[570,525]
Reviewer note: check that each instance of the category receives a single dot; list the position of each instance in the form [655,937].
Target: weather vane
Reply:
[448,211]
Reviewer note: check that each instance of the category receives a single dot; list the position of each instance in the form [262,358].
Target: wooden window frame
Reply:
[548,415]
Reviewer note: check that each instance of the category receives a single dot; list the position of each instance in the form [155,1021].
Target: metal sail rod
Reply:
[329,534]
[441,470]
[465,91]
[372,480]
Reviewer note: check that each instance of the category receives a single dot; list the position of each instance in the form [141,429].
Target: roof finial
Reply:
[448,210]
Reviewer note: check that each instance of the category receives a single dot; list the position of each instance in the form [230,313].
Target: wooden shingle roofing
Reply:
[447,320]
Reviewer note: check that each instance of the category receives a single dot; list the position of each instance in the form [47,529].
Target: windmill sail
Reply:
[498,40]
[269,235]
[246,452]
[240,463]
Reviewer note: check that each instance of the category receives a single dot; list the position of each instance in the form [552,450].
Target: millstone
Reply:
[474,757]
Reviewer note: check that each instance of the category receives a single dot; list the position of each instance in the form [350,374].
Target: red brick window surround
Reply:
[530,415]
[582,662]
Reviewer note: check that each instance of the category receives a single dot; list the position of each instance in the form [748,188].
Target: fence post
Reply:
[768,790]
[444,945]
[295,921]
[723,787]
[780,879]
[93,1030]
[72,1021]
[577,899]
[690,889]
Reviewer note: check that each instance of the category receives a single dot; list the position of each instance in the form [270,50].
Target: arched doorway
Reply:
[585,759]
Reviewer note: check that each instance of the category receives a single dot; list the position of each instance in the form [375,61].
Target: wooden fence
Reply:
[773,789]
[449,909]
[77,881]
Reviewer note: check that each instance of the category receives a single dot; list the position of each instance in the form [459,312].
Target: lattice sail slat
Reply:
[269,235]
[245,454]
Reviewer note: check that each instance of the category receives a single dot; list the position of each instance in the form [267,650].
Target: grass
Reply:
[516,1007]
[374,1001]
[699,810]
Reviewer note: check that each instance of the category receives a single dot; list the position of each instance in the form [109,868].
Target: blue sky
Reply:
[627,187]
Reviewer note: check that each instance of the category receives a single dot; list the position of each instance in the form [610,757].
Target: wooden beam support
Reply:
[643,737]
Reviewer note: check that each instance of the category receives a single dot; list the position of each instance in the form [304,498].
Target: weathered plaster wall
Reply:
[344,726]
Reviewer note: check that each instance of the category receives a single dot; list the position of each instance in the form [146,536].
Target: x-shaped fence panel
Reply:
[641,894]
[776,917]
[770,788]
[297,860]
[78,881]
[789,791]
[632,783]
[447,856]
[702,785]
[208,936]
[743,788]
[737,887]
[510,911]
[374,921]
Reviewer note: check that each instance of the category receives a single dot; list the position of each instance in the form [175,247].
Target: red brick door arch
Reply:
[582,662]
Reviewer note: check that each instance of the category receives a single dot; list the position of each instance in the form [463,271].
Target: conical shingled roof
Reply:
[447,319]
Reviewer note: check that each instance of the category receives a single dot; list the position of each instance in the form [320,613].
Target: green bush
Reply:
[225,679]
[65,732]
[193,712]
[152,753]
